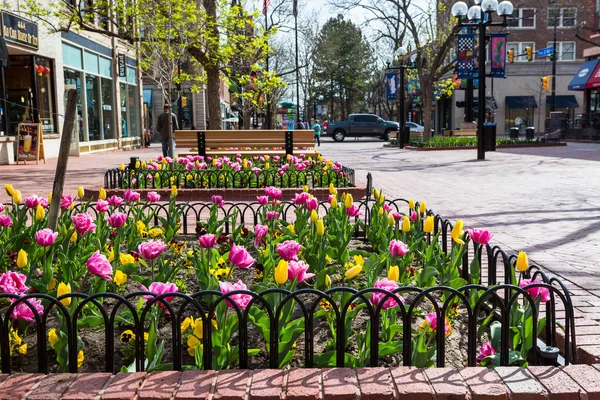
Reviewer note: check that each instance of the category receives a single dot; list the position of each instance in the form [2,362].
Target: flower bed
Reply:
[290,291]
[451,143]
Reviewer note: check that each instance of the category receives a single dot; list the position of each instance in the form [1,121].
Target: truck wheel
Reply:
[386,135]
[339,135]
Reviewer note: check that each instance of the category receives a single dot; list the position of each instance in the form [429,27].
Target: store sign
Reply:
[18,30]
[122,68]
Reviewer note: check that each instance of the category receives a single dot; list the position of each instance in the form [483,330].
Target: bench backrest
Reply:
[269,139]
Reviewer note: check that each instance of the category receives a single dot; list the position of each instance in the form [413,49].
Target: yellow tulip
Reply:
[281,272]
[348,201]
[173,191]
[359,260]
[457,232]
[40,213]
[353,272]
[80,358]
[291,228]
[320,228]
[17,198]
[375,193]
[52,336]
[52,284]
[164,161]
[428,224]
[74,237]
[80,192]
[381,198]
[120,277]
[332,189]
[9,189]
[522,261]
[144,164]
[305,189]
[122,167]
[411,204]
[391,220]
[245,163]
[267,166]
[137,164]
[64,289]
[327,281]
[394,273]
[102,194]
[159,167]
[23,349]
[422,207]
[22,259]
[406,224]
[314,216]
[334,202]
[380,212]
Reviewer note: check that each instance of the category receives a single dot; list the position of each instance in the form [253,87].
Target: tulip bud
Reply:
[334,203]
[17,198]
[411,204]
[156,176]
[391,220]
[381,198]
[428,224]
[80,192]
[353,272]
[73,238]
[267,166]
[375,193]
[320,228]
[144,164]
[394,273]
[380,212]
[40,213]
[173,191]
[314,216]
[122,167]
[522,261]
[102,194]
[348,200]
[62,290]
[423,207]
[327,281]
[332,189]
[305,189]
[22,259]
[406,224]
[281,272]
[137,164]
[9,189]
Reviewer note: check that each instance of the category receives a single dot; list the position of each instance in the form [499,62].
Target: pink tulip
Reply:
[353,211]
[289,250]
[13,283]
[300,166]
[117,219]
[99,265]
[272,215]
[431,319]
[24,313]
[32,201]
[330,198]
[300,198]
[273,192]
[65,201]
[387,208]
[218,200]
[115,201]
[480,236]
[485,350]
[43,202]
[159,288]
[413,216]
[397,216]
[312,203]
[102,206]
[260,232]
[398,249]
[130,196]
[238,255]
[2,207]
[83,223]
[207,241]
[153,197]
[152,249]
[536,291]
[389,286]
[45,237]
[297,270]
[262,200]
[5,221]
[241,300]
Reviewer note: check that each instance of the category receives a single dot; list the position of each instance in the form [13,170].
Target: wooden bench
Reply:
[246,142]
[413,135]
[465,132]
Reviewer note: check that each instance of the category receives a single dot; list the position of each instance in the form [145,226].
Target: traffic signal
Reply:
[183,101]
[511,56]
[529,51]
[545,83]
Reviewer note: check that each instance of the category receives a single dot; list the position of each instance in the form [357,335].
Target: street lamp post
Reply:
[480,17]
[400,53]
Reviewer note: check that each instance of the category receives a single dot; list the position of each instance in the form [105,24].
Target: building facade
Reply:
[44,65]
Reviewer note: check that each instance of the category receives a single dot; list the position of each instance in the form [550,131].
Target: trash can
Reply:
[133,161]
[406,135]
[514,133]
[489,137]
[530,133]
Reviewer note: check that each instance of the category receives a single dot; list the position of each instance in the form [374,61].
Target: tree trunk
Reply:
[247,115]
[170,124]
[213,97]
[426,98]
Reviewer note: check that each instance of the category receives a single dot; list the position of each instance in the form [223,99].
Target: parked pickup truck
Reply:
[361,125]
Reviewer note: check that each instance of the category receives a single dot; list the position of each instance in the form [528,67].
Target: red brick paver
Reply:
[124,386]
[375,384]
[447,383]
[16,386]
[302,384]
[340,383]
[411,381]
[560,386]
[159,385]
[522,384]
[231,385]
[52,387]
[86,386]
[484,384]
[196,385]
[267,384]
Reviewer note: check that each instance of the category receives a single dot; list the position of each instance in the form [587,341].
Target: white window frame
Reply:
[559,50]
[561,12]
[519,19]
[520,49]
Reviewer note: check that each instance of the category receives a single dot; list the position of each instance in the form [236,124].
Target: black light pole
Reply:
[400,53]
[480,18]
[297,64]
[267,103]
[554,57]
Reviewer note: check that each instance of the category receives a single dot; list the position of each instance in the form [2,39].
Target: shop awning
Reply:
[564,101]
[594,79]
[520,102]
[580,79]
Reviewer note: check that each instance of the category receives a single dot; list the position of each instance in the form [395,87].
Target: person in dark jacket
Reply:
[162,127]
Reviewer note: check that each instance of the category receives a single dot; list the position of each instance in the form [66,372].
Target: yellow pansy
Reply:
[22,259]
[522,261]
[291,228]
[126,258]
[353,272]
[141,227]
[80,358]
[40,213]
[281,272]
[127,336]
[111,255]
[62,290]
[52,336]
[187,322]
[394,273]
[359,260]
[23,349]
[120,277]
[198,328]
[15,338]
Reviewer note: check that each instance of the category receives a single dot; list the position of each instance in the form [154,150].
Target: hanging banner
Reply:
[465,56]
[391,85]
[498,46]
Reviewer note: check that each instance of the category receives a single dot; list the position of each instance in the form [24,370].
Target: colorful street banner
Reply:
[465,56]
[498,46]
[391,85]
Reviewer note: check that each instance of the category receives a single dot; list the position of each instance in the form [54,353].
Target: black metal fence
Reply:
[131,178]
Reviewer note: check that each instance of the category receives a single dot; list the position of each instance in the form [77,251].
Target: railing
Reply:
[210,179]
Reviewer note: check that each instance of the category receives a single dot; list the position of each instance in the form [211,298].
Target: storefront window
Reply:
[107,114]
[73,81]
[124,98]
[132,111]
[93,106]
[45,95]
[19,90]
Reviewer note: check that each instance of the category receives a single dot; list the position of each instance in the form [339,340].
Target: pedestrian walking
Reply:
[316,127]
[162,127]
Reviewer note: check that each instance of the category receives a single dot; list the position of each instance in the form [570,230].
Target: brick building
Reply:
[519,100]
